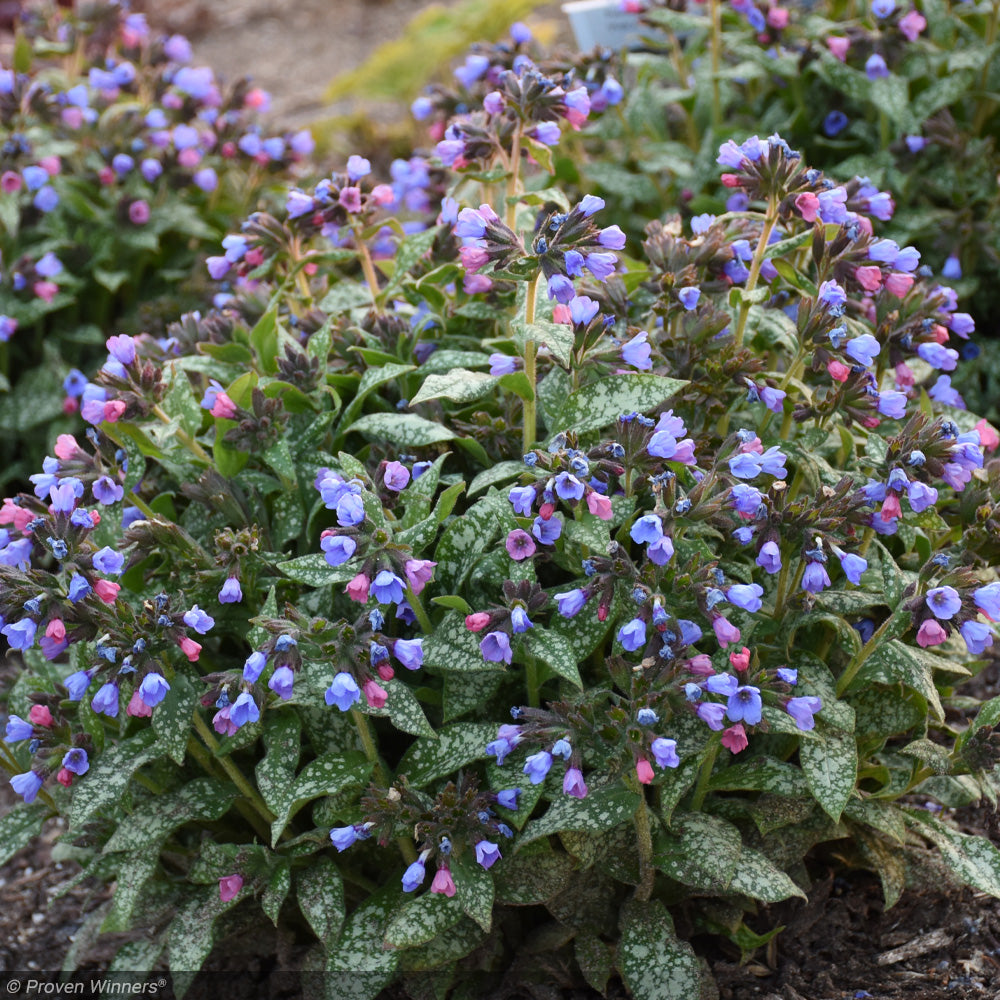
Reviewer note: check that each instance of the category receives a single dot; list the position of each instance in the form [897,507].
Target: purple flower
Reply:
[358,167]
[253,666]
[522,498]
[744,705]
[689,297]
[106,700]
[20,634]
[746,596]
[665,752]
[546,531]
[646,529]
[803,709]
[573,783]
[583,309]
[875,67]
[199,620]
[342,692]
[589,204]
[711,714]
[153,689]
[77,684]
[281,682]
[612,238]
[745,465]
[502,364]
[570,603]
[386,588]
[414,876]
[632,635]
[944,602]
[892,405]
[18,729]
[938,356]
[537,766]
[520,545]
[601,265]
[107,491]
[108,561]
[661,551]
[853,566]
[343,836]
[773,399]
[121,348]
[788,674]
[548,133]
[76,761]
[724,684]
[815,578]
[769,557]
[396,477]
[409,652]
[508,798]
[978,637]
[231,592]
[487,854]
[27,785]
[244,710]
[338,548]
[561,289]
[864,349]
[568,487]
[495,648]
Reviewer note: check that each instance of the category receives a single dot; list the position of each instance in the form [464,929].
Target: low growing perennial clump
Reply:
[471,560]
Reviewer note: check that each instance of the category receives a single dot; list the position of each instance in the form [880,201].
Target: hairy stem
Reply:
[755,265]
[530,369]
[644,837]
[705,772]
[183,436]
[512,188]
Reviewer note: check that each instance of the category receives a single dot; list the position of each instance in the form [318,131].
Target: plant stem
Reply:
[183,436]
[136,501]
[644,837]
[531,680]
[756,264]
[705,772]
[859,658]
[530,369]
[232,771]
[418,609]
[367,266]
[715,12]
[364,729]
[512,187]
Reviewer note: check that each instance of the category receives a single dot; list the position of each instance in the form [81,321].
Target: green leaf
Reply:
[595,958]
[423,919]
[109,776]
[326,775]
[831,768]
[315,571]
[134,872]
[554,651]
[279,458]
[601,810]
[278,886]
[654,963]
[895,662]
[264,340]
[888,861]
[19,826]
[459,385]
[360,950]
[758,878]
[973,859]
[600,403]
[557,337]
[282,732]
[502,472]
[192,931]
[474,891]
[403,709]
[469,692]
[452,647]
[405,430]
[370,381]
[180,401]
[172,718]
[428,760]
[681,853]
[533,876]
[200,799]
[259,635]
[320,894]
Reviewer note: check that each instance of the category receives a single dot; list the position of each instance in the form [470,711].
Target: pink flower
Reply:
[931,633]
[64,777]
[138,212]
[734,739]
[725,631]
[382,194]
[350,199]
[904,376]
[839,372]
[107,591]
[777,18]
[10,182]
[988,436]
[740,660]
[229,887]
[258,99]
[357,589]
[222,724]
[190,648]
[477,621]
[912,24]
[644,771]
[56,629]
[891,508]
[941,334]
[443,883]
[599,505]
[473,258]
[561,313]
[419,572]
[869,277]
[51,165]
[66,447]
[808,204]
[898,284]
[700,665]
[189,157]
[46,290]
[40,715]
[114,409]
[137,707]
[11,513]
[375,693]
[223,407]
[838,46]
[473,284]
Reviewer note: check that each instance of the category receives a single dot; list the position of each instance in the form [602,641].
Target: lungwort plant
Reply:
[474,578]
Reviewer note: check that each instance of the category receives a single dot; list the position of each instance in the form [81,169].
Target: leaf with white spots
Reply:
[278,886]
[172,718]
[405,430]
[599,404]
[452,647]
[533,875]
[474,889]
[429,760]
[831,769]
[557,653]
[682,852]
[361,953]
[314,571]
[319,891]
[19,826]
[134,872]
[757,877]
[402,707]
[502,472]
[973,859]
[895,662]
[275,771]
[423,919]
[654,963]
[458,385]
[601,810]
[109,776]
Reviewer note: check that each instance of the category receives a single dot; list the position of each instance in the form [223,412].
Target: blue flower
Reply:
[27,785]
[18,729]
[338,548]
[632,635]
[988,599]
[343,836]
[414,876]
[944,602]
[108,561]
[788,674]
[487,854]
[803,709]
[689,297]
[570,603]
[386,588]
[647,528]
[665,752]
[853,566]
[835,123]
[281,682]
[76,761]
[244,710]
[106,700]
[568,487]
[153,689]
[978,637]
[519,620]
[77,684]
[20,634]
[199,620]
[637,352]
[562,748]
[231,592]
[409,652]
[745,465]
[343,691]
[537,766]
[864,349]
[495,648]
[508,798]
[815,578]
[744,705]
[646,717]
[546,531]
[746,596]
